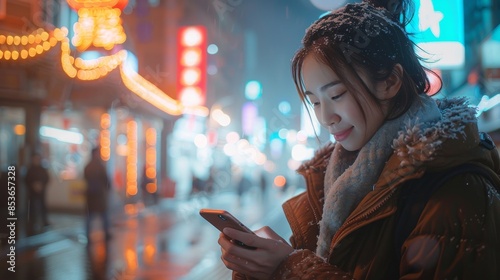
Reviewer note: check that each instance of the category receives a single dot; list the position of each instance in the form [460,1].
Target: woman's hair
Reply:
[366,37]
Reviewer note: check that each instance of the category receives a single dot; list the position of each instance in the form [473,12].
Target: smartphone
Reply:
[222,219]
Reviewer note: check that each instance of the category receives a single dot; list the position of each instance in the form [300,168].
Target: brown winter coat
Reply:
[456,237]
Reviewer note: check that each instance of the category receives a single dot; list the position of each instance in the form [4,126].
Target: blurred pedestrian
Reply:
[409,190]
[210,182]
[263,185]
[243,186]
[197,185]
[97,193]
[36,179]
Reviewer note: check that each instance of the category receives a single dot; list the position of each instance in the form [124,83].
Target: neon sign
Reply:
[438,26]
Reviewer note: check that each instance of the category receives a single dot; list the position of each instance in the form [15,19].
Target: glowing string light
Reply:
[40,41]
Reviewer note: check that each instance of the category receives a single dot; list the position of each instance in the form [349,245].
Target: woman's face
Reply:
[337,109]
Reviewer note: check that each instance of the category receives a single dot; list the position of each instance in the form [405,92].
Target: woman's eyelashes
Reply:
[335,97]
[311,99]
[315,102]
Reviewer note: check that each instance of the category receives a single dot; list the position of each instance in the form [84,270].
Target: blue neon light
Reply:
[438,26]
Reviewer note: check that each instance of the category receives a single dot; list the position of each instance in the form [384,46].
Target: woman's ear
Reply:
[393,83]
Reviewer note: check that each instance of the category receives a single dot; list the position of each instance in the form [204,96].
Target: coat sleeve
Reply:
[303,213]
[457,235]
[304,265]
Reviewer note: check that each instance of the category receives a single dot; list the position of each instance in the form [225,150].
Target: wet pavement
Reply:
[166,241]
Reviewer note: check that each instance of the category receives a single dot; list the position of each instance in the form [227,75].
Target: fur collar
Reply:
[418,143]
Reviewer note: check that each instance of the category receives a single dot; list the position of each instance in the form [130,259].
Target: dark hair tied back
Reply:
[370,36]
[401,10]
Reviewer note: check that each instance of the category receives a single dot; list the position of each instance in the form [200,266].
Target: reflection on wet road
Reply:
[166,241]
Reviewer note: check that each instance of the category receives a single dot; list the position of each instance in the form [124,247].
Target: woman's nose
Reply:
[329,117]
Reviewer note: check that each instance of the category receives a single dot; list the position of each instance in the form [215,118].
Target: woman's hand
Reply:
[271,250]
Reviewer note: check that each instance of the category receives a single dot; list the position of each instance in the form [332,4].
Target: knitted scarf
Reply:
[351,175]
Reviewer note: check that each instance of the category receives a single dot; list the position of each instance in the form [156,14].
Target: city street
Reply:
[151,110]
[166,241]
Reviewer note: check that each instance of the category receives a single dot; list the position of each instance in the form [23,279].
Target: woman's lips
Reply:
[342,135]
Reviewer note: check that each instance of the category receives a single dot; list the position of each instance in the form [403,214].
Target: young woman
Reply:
[408,190]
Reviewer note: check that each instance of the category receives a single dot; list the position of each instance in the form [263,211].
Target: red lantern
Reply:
[78,4]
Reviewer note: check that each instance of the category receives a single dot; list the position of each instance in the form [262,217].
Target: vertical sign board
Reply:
[438,27]
[192,65]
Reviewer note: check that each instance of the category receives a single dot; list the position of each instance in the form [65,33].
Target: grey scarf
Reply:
[351,175]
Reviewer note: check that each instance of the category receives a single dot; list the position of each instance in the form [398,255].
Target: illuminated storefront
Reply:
[67,89]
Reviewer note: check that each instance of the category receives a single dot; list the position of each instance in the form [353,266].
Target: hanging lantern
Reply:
[99,23]
[79,4]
